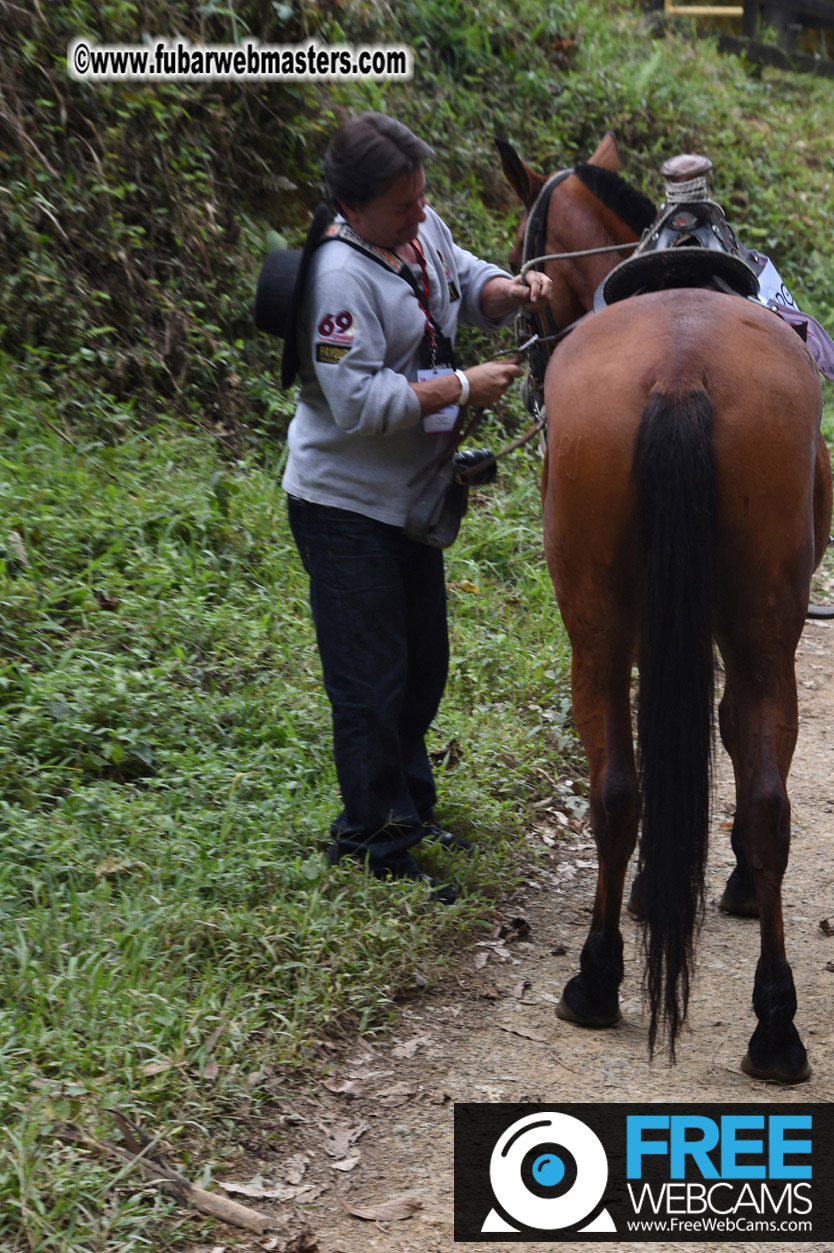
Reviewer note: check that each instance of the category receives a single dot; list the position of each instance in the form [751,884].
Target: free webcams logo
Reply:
[652,1173]
[548,1171]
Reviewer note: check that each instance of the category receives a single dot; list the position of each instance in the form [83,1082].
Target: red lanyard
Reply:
[425,307]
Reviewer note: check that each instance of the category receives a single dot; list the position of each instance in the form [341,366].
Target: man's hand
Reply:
[532,292]
[488,382]
[501,296]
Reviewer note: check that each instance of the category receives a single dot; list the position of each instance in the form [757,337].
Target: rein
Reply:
[543,323]
[464,429]
[585,252]
[539,210]
[534,233]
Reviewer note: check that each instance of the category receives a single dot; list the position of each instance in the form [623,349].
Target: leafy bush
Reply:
[134,214]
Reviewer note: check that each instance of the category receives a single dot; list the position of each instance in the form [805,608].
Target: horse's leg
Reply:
[591,538]
[600,686]
[822,500]
[739,896]
[759,720]
[740,893]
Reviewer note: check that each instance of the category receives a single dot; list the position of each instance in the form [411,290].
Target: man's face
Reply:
[392,219]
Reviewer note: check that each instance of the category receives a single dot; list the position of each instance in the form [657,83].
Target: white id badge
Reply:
[444,420]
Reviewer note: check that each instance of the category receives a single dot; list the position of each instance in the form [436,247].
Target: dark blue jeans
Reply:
[379,607]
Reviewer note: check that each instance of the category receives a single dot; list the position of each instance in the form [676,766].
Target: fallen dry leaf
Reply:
[304,1242]
[518,989]
[524,1033]
[345,1087]
[397,1095]
[347,1163]
[496,947]
[411,1046]
[112,865]
[156,1068]
[259,1190]
[448,757]
[337,1140]
[211,1042]
[513,929]
[15,542]
[387,1211]
[106,601]
[295,1167]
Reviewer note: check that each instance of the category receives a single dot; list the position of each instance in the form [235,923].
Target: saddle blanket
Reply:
[774,294]
[817,340]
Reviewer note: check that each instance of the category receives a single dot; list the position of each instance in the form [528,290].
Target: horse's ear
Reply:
[607,154]
[524,181]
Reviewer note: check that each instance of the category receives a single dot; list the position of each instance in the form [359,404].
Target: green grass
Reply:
[167,787]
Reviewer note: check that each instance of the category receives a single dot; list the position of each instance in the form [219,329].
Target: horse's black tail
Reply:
[674,466]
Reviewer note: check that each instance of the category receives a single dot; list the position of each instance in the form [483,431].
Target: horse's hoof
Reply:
[739,896]
[564,1011]
[775,1074]
[748,908]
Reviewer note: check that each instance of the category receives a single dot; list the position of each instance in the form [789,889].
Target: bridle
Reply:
[533,338]
[541,328]
[534,231]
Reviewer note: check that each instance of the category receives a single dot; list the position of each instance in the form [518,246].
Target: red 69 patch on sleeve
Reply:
[334,336]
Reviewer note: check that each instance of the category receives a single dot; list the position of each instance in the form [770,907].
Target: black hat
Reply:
[281,289]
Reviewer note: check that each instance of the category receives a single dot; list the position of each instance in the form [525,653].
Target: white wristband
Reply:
[464,388]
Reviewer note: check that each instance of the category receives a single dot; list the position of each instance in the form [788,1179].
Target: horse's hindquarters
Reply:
[713,395]
[766,399]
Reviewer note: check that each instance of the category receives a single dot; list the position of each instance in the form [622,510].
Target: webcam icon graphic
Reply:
[548,1172]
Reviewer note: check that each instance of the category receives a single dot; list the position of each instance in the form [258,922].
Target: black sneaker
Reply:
[433,834]
[406,868]
[443,893]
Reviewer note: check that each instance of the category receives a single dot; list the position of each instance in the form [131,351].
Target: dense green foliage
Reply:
[133,214]
[168,936]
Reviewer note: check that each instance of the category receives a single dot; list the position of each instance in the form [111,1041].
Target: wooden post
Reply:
[750,19]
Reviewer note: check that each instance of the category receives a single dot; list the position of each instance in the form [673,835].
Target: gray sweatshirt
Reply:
[357,436]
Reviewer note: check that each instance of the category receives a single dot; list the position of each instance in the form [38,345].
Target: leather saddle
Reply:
[690,243]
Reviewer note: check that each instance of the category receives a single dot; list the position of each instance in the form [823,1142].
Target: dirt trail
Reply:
[491,1034]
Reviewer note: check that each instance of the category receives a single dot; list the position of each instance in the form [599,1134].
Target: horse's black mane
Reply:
[630,205]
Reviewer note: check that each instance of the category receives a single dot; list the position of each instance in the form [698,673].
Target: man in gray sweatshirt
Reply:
[378,399]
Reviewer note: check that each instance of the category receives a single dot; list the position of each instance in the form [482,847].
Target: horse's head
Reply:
[592,207]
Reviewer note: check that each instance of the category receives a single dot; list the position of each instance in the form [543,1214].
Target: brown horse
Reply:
[687,502]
